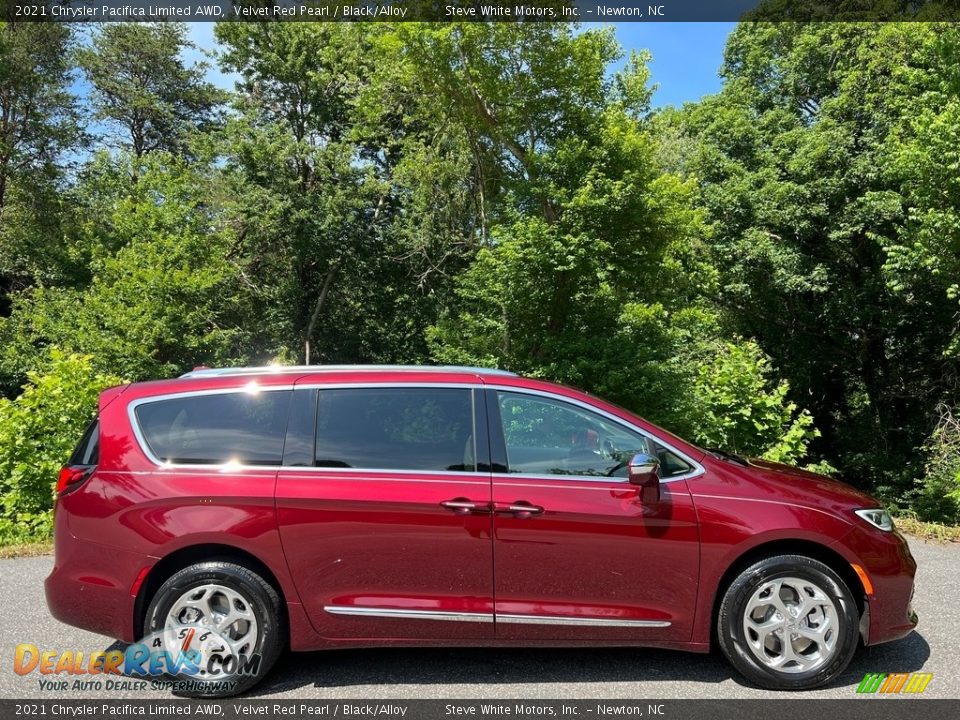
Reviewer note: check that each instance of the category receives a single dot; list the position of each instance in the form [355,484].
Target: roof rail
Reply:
[283,369]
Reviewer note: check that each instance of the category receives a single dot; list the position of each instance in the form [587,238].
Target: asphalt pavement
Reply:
[507,673]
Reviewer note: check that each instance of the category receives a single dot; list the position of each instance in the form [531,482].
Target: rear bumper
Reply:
[91,585]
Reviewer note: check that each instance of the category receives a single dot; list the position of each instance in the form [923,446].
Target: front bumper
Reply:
[891,569]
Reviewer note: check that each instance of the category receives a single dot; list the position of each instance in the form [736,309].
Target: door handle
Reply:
[463,506]
[520,509]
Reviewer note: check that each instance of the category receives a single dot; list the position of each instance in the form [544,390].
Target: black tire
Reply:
[733,638]
[263,600]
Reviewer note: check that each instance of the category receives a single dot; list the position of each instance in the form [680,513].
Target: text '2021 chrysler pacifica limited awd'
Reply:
[232,513]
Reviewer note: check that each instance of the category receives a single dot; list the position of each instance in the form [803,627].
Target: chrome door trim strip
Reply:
[407,614]
[513,619]
[581,621]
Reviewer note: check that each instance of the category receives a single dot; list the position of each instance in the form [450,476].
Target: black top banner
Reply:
[605,11]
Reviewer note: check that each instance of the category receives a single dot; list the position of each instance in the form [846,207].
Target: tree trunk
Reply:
[316,312]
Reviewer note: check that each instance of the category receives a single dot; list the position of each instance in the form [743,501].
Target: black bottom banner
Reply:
[862,708]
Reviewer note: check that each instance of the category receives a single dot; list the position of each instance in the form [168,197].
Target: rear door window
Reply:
[242,427]
[387,428]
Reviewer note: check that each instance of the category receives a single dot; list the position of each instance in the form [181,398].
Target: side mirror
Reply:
[644,471]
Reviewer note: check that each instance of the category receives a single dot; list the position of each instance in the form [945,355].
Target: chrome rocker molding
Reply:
[408,614]
[490,617]
[585,621]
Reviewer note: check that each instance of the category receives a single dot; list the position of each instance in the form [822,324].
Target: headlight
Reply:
[878,517]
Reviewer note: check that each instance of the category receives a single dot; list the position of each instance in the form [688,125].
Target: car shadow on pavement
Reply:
[471,666]
[907,655]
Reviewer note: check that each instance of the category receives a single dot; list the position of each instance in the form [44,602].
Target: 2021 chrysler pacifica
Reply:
[238,512]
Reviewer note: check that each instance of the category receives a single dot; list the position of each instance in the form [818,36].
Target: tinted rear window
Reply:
[87,451]
[395,429]
[240,427]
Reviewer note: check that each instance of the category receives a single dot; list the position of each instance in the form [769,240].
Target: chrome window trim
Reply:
[480,477]
[572,479]
[697,467]
[506,618]
[144,447]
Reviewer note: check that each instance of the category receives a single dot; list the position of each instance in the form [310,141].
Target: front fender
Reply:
[732,527]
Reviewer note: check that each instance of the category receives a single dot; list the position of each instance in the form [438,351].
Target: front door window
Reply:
[544,436]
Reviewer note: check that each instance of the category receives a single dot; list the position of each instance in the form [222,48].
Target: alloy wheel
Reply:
[791,625]
[223,622]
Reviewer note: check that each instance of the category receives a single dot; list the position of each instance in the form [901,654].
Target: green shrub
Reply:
[739,407]
[937,496]
[38,431]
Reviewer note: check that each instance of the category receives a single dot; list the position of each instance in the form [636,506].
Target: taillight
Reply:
[71,476]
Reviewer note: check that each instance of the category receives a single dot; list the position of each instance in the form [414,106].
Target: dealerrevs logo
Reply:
[195,653]
[895,683]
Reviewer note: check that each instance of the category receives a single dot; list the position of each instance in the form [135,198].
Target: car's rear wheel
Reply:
[788,623]
[228,618]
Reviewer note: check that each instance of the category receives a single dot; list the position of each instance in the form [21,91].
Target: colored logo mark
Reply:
[894,683]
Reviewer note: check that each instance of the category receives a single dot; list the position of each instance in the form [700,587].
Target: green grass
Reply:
[29,549]
[927,530]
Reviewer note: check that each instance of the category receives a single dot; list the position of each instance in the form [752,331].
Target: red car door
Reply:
[577,555]
[374,508]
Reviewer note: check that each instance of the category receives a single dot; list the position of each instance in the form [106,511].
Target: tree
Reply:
[922,158]
[595,272]
[38,126]
[355,197]
[141,85]
[809,211]
[502,82]
[740,410]
[164,293]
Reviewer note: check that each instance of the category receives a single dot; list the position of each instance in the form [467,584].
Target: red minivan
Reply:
[234,513]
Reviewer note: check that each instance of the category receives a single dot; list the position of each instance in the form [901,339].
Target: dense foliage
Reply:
[937,495]
[38,431]
[825,168]
[774,270]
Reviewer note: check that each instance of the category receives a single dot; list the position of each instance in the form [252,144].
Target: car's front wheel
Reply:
[788,622]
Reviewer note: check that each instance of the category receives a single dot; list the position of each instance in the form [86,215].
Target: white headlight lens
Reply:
[878,517]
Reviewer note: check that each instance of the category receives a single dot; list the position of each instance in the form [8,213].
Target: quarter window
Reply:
[246,428]
[396,429]
[550,437]
[87,451]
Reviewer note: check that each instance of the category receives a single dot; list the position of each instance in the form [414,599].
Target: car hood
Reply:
[803,487]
